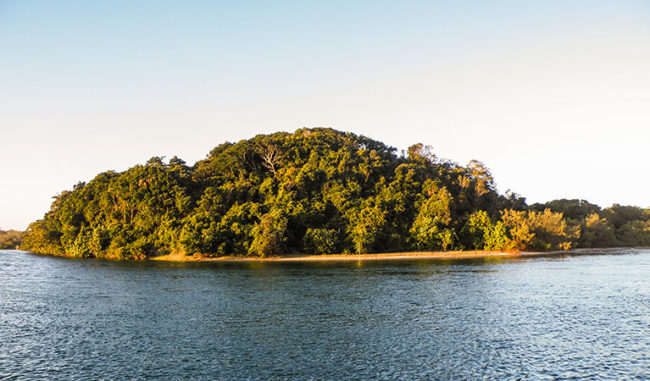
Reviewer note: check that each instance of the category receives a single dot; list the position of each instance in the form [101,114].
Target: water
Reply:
[584,317]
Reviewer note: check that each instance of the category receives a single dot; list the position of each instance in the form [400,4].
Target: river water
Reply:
[573,317]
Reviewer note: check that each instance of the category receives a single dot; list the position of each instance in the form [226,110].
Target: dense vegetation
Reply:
[10,239]
[315,191]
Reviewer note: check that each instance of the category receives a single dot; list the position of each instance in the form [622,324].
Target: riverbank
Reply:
[438,255]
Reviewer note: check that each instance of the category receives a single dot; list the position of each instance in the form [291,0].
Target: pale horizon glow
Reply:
[553,96]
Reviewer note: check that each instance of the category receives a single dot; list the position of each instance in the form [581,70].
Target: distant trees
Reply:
[572,209]
[315,191]
[10,239]
[596,231]
[595,227]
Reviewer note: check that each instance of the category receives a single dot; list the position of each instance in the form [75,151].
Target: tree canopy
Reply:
[10,239]
[315,191]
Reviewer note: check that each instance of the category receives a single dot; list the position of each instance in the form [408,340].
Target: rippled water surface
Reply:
[581,317]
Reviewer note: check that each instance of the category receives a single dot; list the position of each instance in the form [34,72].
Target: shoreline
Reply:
[427,255]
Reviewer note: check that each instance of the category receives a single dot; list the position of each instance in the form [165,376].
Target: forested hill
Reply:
[314,191]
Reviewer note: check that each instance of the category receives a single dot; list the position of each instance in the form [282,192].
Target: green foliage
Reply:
[497,238]
[430,230]
[484,234]
[129,215]
[320,241]
[571,209]
[552,231]
[10,239]
[545,230]
[619,215]
[365,227]
[316,190]
[518,228]
[269,235]
[634,233]
[597,232]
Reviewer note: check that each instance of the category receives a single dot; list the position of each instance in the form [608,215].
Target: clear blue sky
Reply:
[553,96]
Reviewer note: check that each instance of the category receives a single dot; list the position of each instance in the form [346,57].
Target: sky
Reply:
[553,96]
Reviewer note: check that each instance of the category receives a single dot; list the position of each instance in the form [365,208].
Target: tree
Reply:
[320,241]
[365,227]
[269,235]
[634,233]
[482,177]
[539,230]
[270,154]
[619,215]
[421,152]
[571,209]
[597,232]
[430,229]
[552,231]
[483,234]
[518,228]
[10,239]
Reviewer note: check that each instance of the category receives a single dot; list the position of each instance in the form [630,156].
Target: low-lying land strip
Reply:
[476,254]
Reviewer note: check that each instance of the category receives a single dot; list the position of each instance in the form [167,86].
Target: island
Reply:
[317,192]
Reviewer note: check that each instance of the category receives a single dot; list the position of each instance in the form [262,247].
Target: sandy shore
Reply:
[372,257]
